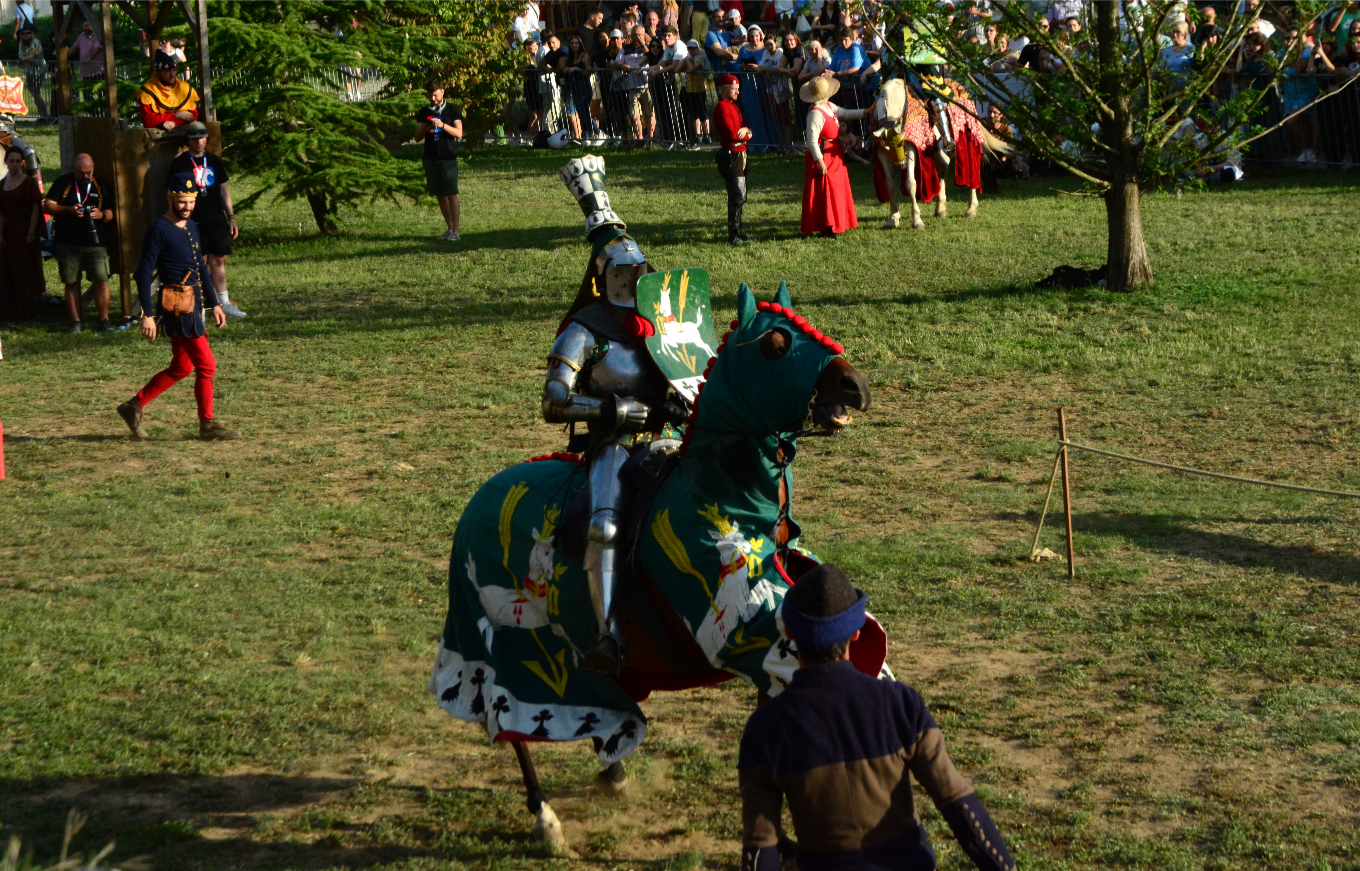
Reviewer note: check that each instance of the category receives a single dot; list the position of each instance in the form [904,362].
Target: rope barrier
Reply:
[1189,471]
[1060,461]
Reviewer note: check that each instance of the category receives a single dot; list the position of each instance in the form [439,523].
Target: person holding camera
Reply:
[171,249]
[81,206]
[441,126]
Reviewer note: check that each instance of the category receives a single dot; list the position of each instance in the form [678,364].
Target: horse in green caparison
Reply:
[712,549]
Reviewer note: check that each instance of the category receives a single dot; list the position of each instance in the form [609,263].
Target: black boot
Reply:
[734,236]
[741,225]
[607,656]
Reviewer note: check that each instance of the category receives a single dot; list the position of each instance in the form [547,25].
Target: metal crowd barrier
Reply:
[1329,130]
[668,109]
[674,109]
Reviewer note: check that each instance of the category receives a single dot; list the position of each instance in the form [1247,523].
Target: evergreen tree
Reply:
[1111,110]
[286,118]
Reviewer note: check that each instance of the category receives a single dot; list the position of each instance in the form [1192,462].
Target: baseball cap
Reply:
[617,34]
[195,129]
[693,43]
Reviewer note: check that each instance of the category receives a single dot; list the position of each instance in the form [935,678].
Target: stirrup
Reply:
[607,656]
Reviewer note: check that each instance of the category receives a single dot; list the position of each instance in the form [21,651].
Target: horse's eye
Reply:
[776,343]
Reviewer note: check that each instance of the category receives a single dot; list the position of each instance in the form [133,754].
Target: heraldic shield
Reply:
[682,340]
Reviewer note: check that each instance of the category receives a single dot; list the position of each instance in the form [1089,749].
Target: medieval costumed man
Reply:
[730,127]
[828,202]
[601,374]
[842,747]
[167,101]
[172,248]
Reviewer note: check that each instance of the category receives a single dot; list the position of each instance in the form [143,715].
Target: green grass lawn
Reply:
[219,651]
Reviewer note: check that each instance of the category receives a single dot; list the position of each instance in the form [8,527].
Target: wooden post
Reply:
[59,12]
[115,127]
[206,112]
[1067,496]
[110,68]
[153,38]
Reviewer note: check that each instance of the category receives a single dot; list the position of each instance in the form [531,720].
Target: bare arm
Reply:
[52,207]
[231,210]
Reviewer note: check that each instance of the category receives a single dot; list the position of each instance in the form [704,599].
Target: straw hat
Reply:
[819,89]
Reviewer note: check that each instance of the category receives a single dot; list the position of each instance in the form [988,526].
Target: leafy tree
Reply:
[285,117]
[1112,112]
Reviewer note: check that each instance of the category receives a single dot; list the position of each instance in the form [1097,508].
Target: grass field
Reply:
[219,651]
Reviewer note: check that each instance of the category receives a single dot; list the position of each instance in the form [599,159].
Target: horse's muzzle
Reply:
[841,388]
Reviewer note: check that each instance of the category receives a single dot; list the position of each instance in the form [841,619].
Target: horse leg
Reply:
[972,203]
[942,166]
[895,216]
[547,827]
[613,777]
[910,170]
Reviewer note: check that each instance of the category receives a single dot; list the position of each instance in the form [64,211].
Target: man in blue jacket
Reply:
[172,248]
[842,746]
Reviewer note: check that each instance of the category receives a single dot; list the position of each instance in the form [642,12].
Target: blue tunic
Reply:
[172,251]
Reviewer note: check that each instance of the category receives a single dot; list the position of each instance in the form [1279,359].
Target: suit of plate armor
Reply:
[601,374]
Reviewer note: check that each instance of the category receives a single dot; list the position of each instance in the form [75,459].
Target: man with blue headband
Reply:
[839,745]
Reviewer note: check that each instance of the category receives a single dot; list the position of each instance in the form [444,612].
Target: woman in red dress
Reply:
[828,202]
[21,268]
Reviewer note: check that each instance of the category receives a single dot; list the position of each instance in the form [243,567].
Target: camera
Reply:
[88,230]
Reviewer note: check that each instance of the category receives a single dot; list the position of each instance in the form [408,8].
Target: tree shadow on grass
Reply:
[264,820]
[1169,533]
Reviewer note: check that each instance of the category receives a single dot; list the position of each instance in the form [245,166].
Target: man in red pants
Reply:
[172,248]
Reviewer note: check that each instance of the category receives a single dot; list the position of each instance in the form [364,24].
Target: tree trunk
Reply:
[321,211]
[1126,265]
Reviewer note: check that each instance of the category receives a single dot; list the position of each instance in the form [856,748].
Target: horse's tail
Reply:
[996,145]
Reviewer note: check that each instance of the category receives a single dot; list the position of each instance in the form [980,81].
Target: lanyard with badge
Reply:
[437,113]
[87,225]
[80,200]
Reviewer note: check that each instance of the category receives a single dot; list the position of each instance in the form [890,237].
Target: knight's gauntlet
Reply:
[629,414]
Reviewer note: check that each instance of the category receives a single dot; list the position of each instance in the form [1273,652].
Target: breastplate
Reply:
[628,370]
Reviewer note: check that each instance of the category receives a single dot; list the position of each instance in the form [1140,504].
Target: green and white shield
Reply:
[682,340]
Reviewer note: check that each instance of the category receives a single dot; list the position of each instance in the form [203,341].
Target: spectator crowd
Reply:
[644,73]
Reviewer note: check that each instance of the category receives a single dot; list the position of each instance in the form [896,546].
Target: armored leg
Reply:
[606,514]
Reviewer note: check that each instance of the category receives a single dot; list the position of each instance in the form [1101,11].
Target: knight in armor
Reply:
[601,375]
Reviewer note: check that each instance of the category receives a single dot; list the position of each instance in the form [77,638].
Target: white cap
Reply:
[693,43]
[617,34]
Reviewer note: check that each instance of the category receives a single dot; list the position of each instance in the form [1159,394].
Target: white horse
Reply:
[905,130]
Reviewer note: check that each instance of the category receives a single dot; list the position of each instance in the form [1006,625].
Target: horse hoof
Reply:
[918,224]
[892,223]
[613,779]
[971,213]
[941,212]
[548,828]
